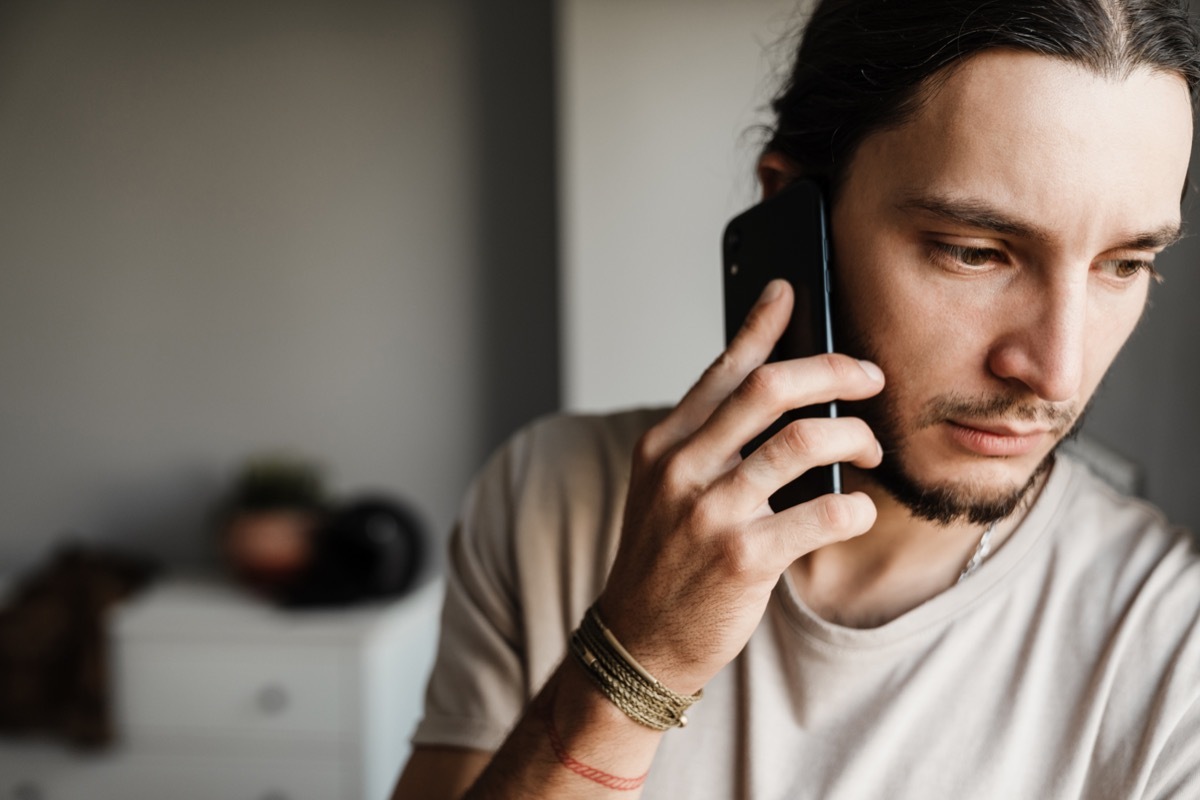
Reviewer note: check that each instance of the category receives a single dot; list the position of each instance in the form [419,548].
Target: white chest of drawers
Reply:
[220,696]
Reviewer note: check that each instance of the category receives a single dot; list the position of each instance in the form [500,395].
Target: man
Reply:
[973,618]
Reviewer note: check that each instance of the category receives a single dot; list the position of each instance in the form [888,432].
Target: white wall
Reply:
[233,226]
[655,100]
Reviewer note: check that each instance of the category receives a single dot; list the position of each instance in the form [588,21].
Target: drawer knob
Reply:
[272,699]
[274,796]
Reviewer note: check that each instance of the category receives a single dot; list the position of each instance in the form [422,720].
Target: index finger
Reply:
[771,391]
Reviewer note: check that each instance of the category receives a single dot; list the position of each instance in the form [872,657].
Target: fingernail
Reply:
[874,372]
[879,446]
[772,292]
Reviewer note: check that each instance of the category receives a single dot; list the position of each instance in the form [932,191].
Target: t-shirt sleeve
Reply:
[476,690]
[1176,772]
[532,548]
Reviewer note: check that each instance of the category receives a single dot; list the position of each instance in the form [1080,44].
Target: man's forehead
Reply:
[1043,141]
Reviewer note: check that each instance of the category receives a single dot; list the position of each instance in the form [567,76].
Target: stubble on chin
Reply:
[950,502]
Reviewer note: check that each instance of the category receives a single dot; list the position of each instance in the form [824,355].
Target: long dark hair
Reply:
[864,65]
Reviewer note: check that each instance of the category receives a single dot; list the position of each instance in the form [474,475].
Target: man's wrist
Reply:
[625,682]
[585,727]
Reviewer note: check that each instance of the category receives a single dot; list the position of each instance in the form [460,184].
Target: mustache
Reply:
[1058,418]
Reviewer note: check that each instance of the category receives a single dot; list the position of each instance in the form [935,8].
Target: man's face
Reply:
[993,257]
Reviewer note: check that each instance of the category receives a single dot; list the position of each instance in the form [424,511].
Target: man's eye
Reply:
[1128,268]
[971,257]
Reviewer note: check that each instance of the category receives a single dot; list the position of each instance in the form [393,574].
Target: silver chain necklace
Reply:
[981,552]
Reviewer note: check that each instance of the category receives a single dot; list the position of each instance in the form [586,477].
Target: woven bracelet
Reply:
[624,681]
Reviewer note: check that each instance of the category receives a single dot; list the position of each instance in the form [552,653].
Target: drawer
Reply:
[50,772]
[209,778]
[219,690]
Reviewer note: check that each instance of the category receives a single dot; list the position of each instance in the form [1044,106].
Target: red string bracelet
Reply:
[578,767]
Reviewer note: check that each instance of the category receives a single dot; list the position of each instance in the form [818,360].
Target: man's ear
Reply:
[774,173]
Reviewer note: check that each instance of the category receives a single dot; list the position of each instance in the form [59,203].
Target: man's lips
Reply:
[997,440]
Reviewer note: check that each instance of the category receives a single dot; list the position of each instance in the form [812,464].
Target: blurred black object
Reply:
[370,547]
[54,665]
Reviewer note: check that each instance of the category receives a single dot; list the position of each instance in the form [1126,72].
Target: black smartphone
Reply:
[785,236]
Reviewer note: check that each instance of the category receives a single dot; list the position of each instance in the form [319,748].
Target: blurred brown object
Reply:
[269,551]
[54,667]
[269,522]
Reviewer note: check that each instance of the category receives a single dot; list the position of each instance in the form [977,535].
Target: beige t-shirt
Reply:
[1068,665]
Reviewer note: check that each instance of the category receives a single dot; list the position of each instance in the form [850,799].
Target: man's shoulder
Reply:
[563,496]
[574,446]
[563,465]
[1127,560]
[1105,517]
[1129,585]
[568,433]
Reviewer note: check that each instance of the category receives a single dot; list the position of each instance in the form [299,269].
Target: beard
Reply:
[948,502]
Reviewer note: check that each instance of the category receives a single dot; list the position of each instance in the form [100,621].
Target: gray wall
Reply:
[324,227]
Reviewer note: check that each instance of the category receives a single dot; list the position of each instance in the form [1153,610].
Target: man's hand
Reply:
[700,552]
[700,549]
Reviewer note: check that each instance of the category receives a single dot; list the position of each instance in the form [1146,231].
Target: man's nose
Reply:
[1041,345]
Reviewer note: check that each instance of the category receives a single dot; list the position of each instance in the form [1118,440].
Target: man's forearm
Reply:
[570,742]
[700,555]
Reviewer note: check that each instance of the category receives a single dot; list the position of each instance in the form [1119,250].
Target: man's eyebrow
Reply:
[1157,239]
[974,213]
